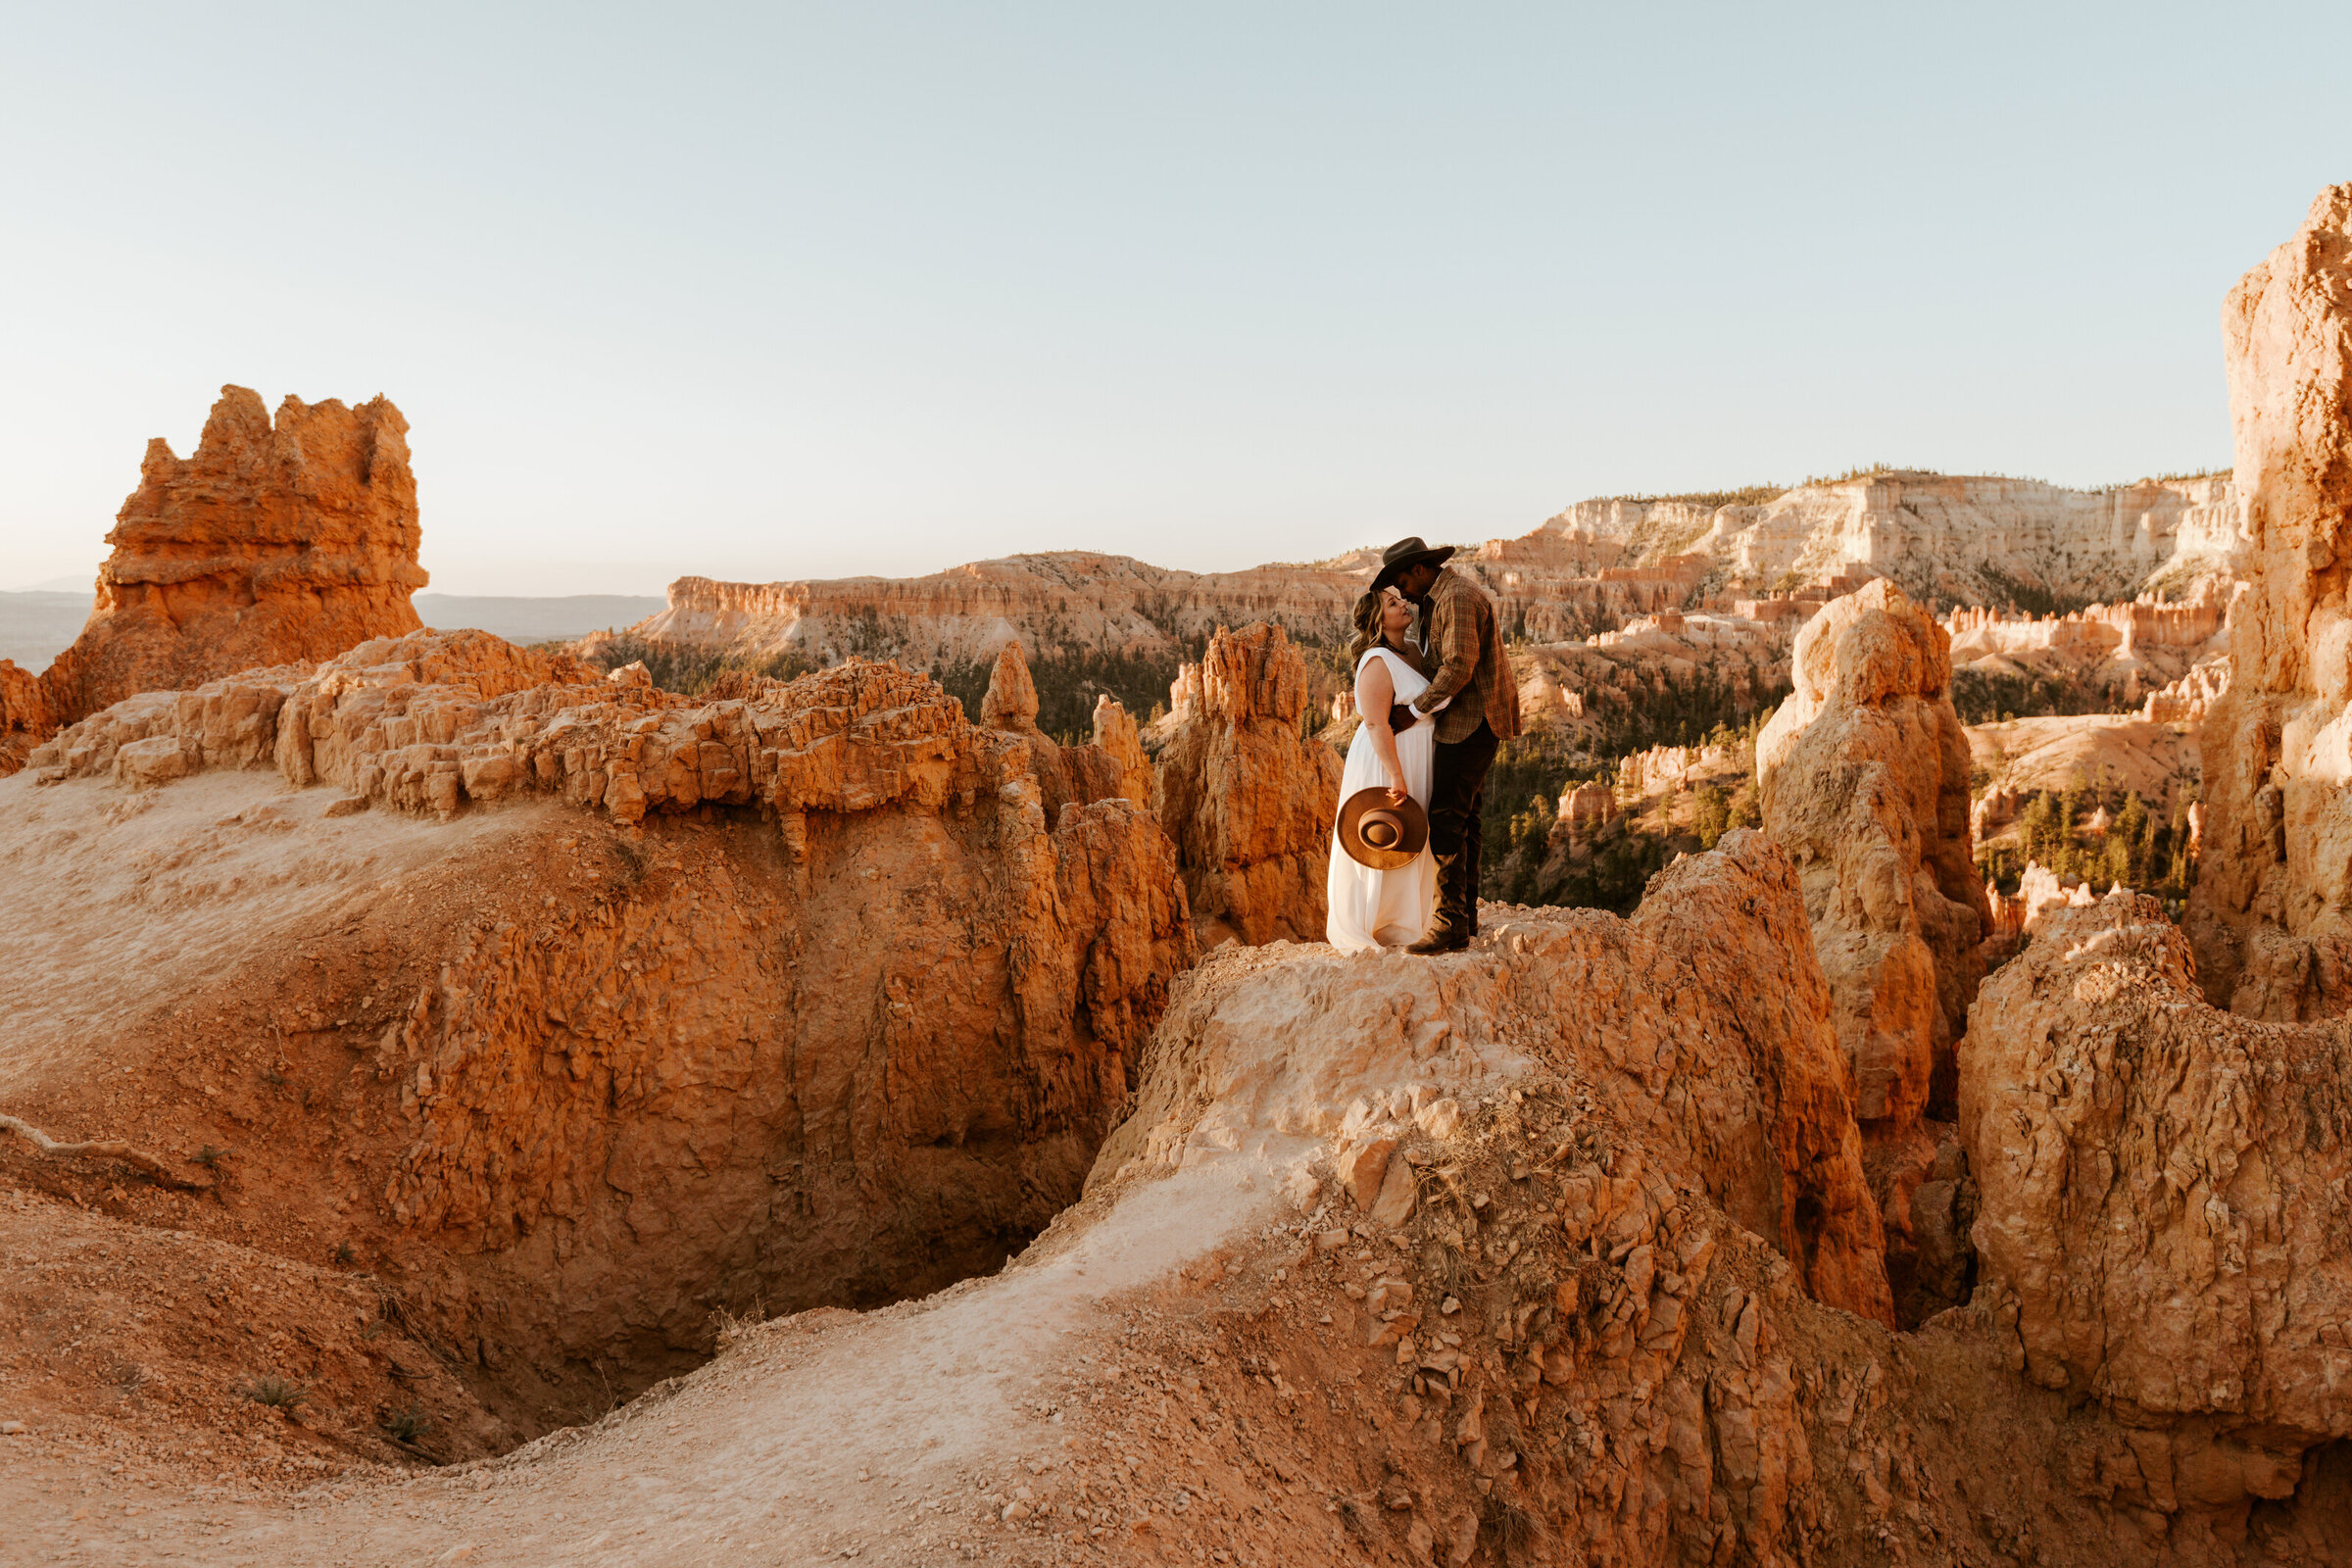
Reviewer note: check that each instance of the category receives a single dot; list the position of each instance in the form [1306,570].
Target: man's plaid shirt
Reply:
[1457,627]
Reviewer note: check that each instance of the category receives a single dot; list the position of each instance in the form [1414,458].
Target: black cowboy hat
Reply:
[1406,553]
[1379,835]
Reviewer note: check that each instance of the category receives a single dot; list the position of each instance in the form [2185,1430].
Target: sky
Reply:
[760,292]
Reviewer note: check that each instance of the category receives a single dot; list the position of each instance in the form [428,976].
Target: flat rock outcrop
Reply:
[2163,1223]
[577,1009]
[1247,800]
[2269,909]
[1864,775]
[275,543]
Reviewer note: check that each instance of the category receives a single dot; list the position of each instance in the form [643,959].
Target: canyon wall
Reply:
[2268,910]
[272,544]
[607,1007]
[1048,603]
[1589,570]
[1973,539]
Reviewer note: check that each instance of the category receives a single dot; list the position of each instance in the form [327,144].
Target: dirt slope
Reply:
[1547,1343]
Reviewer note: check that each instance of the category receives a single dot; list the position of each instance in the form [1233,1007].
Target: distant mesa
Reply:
[1090,621]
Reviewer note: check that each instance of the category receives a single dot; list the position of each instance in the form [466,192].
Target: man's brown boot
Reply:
[1437,942]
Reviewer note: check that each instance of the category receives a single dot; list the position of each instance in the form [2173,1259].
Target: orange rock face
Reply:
[1864,775]
[2275,881]
[25,715]
[1112,768]
[273,544]
[799,996]
[1117,738]
[1247,800]
[2163,1226]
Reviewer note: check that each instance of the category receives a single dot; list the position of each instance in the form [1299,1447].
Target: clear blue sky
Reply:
[788,291]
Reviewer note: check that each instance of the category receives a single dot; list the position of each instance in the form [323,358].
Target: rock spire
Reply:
[273,544]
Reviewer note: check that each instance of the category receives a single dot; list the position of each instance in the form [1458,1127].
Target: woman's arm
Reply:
[1374,692]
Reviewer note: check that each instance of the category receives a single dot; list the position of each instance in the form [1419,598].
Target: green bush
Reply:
[280,1393]
[2137,851]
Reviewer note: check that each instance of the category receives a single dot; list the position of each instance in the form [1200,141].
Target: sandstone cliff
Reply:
[2269,905]
[273,544]
[1976,539]
[2164,1224]
[1247,800]
[577,1009]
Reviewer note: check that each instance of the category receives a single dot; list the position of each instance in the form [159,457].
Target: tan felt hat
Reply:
[1379,835]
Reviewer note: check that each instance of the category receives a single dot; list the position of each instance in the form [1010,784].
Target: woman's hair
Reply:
[1367,618]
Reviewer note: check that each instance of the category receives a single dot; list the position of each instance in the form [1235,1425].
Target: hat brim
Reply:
[1350,840]
[1387,574]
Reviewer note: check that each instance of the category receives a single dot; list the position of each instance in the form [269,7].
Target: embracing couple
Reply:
[1404,849]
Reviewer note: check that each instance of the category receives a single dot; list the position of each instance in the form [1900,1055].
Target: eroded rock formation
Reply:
[2268,910]
[1118,739]
[1705,1013]
[1459,1261]
[605,1006]
[273,544]
[1113,768]
[1864,775]
[1247,800]
[2164,1226]
[1973,538]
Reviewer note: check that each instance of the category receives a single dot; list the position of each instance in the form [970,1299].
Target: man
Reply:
[1457,628]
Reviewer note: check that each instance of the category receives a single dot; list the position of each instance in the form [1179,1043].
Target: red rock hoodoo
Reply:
[273,544]
[1864,775]
[1247,800]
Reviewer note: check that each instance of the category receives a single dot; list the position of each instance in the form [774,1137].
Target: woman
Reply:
[1371,909]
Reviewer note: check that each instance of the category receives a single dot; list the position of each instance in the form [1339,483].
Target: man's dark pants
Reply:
[1458,788]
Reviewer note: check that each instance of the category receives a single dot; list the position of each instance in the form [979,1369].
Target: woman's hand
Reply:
[1397,795]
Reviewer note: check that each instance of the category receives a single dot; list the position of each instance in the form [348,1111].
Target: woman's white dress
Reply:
[1371,908]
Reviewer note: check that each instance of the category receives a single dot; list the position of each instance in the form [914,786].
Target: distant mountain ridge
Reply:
[1957,539]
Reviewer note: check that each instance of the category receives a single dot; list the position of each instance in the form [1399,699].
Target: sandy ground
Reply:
[766,1456]
[142,896]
